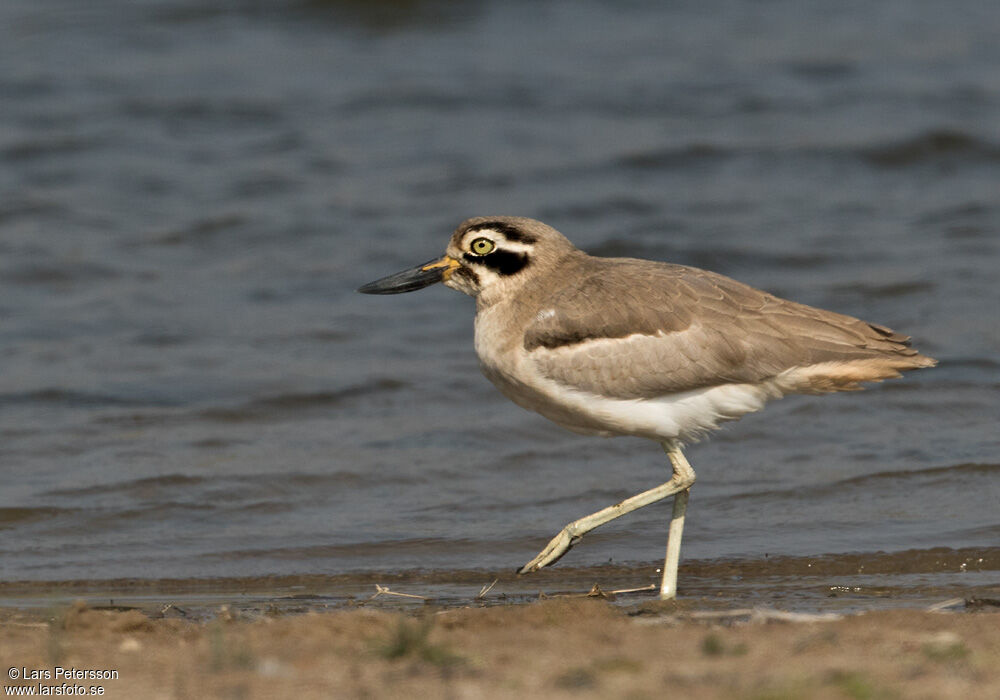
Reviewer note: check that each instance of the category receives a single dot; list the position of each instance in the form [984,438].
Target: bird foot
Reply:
[554,550]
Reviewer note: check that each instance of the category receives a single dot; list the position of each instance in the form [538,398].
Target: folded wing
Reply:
[646,329]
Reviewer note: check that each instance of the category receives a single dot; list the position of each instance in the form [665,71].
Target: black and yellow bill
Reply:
[432,271]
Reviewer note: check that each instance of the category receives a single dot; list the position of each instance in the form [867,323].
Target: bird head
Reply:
[488,256]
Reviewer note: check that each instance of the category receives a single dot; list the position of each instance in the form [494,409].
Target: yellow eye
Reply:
[482,246]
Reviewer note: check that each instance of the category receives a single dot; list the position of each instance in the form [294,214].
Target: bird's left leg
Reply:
[679,483]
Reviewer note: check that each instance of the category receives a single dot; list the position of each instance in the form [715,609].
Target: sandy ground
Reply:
[579,648]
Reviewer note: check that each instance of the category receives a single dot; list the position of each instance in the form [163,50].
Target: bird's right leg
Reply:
[668,586]
[679,483]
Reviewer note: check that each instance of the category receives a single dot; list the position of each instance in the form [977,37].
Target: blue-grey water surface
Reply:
[191,191]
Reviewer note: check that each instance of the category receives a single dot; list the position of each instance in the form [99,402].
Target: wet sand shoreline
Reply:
[822,583]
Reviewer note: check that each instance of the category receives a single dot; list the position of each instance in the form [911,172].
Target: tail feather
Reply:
[827,377]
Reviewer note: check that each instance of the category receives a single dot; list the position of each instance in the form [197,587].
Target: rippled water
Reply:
[192,190]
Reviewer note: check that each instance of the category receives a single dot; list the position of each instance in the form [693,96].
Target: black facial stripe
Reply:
[503,262]
[511,233]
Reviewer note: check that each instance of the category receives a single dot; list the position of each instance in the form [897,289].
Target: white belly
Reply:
[684,416]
